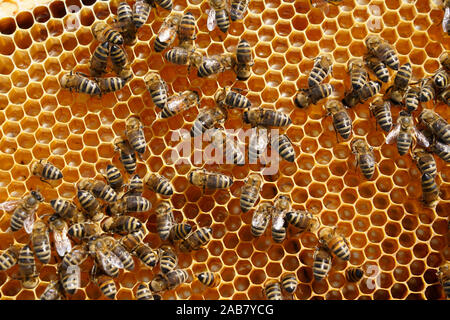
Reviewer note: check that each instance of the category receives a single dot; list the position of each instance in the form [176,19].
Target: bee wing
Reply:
[110,259]
[28,223]
[9,205]
[211,22]
[165,34]
[62,242]
[277,221]
[446,20]
[74,275]
[421,139]
[257,219]
[393,134]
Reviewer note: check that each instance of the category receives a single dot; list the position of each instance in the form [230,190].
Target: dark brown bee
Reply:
[365,159]
[125,22]
[167,32]
[321,264]
[209,279]
[226,144]
[250,191]
[165,4]
[218,16]
[321,69]
[436,124]
[244,53]
[98,189]
[342,122]
[99,60]
[441,79]
[207,119]
[425,162]
[64,208]
[60,228]
[147,255]
[168,260]
[27,268]
[430,191]
[79,83]
[382,111]
[261,218]
[180,102]
[158,184]
[114,177]
[265,117]
[103,32]
[120,252]
[243,71]
[444,278]
[370,89]
[129,204]
[272,290]
[110,84]
[24,209]
[53,291]
[118,58]
[313,95]
[354,274]
[401,82]
[84,230]
[126,154]
[143,292]
[141,11]
[289,282]
[41,241]
[216,64]
[445,96]
[196,239]
[284,146]
[427,91]
[121,224]
[382,50]
[335,243]
[132,240]
[176,277]
[303,220]
[210,180]
[186,30]
[164,219]
[232,99]
[378,67]
[412,99]
[9,257]
[135,133]
[358,73]
[180,231]
[135,186]
[157,88]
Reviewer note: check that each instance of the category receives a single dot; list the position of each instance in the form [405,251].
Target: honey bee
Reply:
[445,96]
[441,149]
[110,84]
[265,117]
[75,257]
[444,278]
[425,162]
[167,32]
[401,81]
[358,73]
[158,184]
[365,159]
[143,292]
[186,30]
[176,277]
[141,11]
[98,189]
[283,145]
[53,291]
[99,60]
[45,170]
[218,16]
[272,290]
[135,133]
[430,191]
[120,252]
[412,99]
[147,255]
[165,4]
[114,177]
[121,224]
[342,122]
[101,249]
[118,58]
[135,186]
[27,268]
[209,279]
[321,69]
[164,219]
[132,240]
[24,209]
[321,264]
[382,112]
[354,274]
[210,180]
[250,191]
[9,257]
[335,243]
[70,278]
[259,140]
[244,52]
[238,8]
[232,99]
[157,88]
[64,208]
[106,285]
[303,220]
[446,19]
[382,50]
[180,231]
[261,218]
[41,241]
[207,119]
[168,260]
[370,89]
[180,102]
[60,228]
[129,204]
[222,141]
[427,91]
[79,83]
[84,230]
[444,59]
[216,64]
[125,23]
[243,71]
[103,32]
[313,95]
[178,55]
[289,282]
[90,205]
[378,67]
[281,206]
[196,239]
[436,124]
[126,154]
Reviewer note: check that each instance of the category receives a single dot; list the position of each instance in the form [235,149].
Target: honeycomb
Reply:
[396,241]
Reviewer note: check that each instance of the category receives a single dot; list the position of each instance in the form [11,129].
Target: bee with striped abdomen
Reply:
[444,59]
[9,257]
[167,32]
[143,292]
[118,58]
[378,67]
[382,50]
[132,240]
[306,97]
[430,191]
[445,96]
[210,180]
[261,218]
[84,230]
[24,210]
[303,220]
[178,55]
[209,279]
[243,71]
[180,102]
[427,90]
[27,268]
[289,282]
[265,117]
[175,278]
[60,228]
[227,96]
[218,16]
[358,73]
[141,11]
[101,249]
[125,23]
[121,224]
[442,150]
[272,290]
[40,240]
[436,124]
[114,177]
[70,278]
[401,81]
[64,208]
[237,9]
[99,60]
[365,158]
[126,154]
[135,133]
[158,184]
[381,109]
[164,219]
[354,274]
[322,67]
[228,146]
[441,79]
[106,285]
[110,84]
[98,189]
[79,83]
[244,53]
[250,191]
[186,30]
[129,204]
[370,89]
[342,122]
[146,254]
[165,4]
[75,257]
[157,88]
[425,162]
[336,243]
[103,32]
[281,206]
[168,259]
[444,278]
[196,239]
[207,119]
[120,252]
[135,186]
[179,231]
[53,291]
[412,99]
[216,64]
[259,141]
[283,145]
[321,264]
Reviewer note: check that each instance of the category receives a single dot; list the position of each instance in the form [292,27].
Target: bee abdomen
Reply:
[164,187]
[426,93]
[237,100]
[441,79]
[289,282]
[165,4]
[428,167]
[321,267]
[367,165]
[143,292]
[87,200]
[341,250]
[141,13]
[403,143]
[428,184]
[147,255]
[401,80]
[177,55]
[208,68]
[17,219]
[237,8]
[244,52]
[384,119]
[257,231]
[248,199]
[218,181]
[316,76]
[354,274]
[223,20]
[113,36]
[207,278]
[114,177]
[129,161]
[137,204]
[111,84]
[279,235]
[343,124]
[273,291]
[42,249]
[105,192]
[381,72]
[441,150]
[118,56]
[7,260]
[107,286]
[51,172]
[285,148]
[180,231]
[88,86]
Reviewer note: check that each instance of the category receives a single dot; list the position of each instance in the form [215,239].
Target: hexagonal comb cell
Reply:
[397,242]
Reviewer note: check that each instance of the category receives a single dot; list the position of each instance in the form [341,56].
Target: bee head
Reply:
[37,195]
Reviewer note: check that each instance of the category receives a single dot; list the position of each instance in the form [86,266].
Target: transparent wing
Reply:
[9,205]
[28,223]
[277,221]
[393,134]
[446,20]
[110,259]
[62,242]
[211,22]
[165,34]
[74,276]
[421,139]
[257,219]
